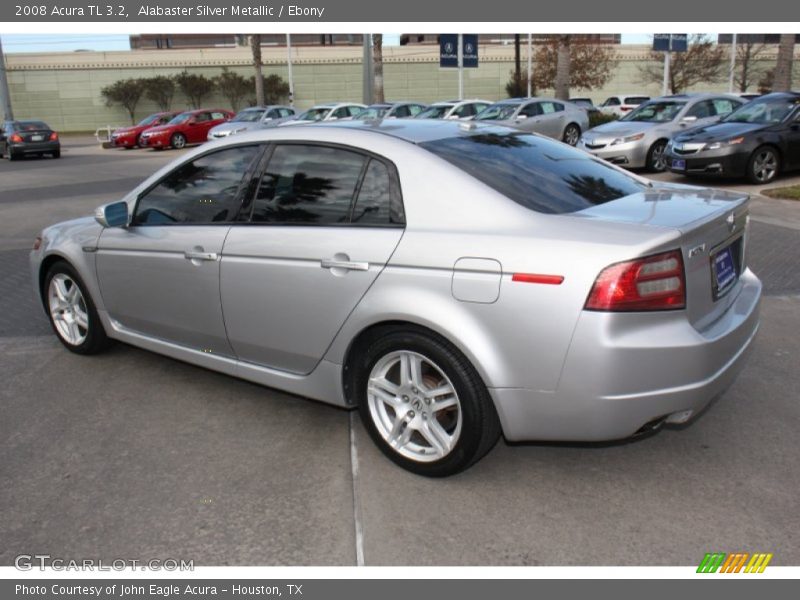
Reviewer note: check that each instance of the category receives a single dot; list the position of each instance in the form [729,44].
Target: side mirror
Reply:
[266,119]
[114,214]
[521,117]
[688,119]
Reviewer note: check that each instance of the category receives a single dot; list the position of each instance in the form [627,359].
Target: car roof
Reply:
[417,131]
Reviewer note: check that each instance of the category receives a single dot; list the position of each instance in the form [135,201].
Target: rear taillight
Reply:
[17,138]
[625,108]
[652,283]
[53,137]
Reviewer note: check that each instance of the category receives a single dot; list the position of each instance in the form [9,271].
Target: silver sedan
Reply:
[451,281]
[640,138]
[554,118]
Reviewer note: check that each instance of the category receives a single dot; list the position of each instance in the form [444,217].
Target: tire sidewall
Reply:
[96,337]
[461,375]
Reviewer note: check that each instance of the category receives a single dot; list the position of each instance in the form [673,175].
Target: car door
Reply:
[324,222]
[160,275]
[528,117]
[793,143]
[551,122]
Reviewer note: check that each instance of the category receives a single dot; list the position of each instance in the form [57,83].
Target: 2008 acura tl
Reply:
[452,281]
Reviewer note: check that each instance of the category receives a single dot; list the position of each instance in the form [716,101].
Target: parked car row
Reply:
[726,135]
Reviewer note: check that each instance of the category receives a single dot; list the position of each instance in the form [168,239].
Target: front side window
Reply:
[341,113]
[702,110]
[312,185]
[415,109]
[531,110]
[538,173]
[464,111]
[201,191]
[723,106]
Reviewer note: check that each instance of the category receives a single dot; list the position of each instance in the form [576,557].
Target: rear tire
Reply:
[71,311]
[656,159]
[12,155]
[763,166]
[57,154]
[435,421]
[572,133]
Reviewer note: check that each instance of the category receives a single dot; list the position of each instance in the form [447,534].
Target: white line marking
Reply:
[356,503]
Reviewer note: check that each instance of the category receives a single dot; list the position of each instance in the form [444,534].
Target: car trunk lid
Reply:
[712,224]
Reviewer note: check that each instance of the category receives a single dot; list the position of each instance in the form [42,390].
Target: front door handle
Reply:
[197,255]
[335,263]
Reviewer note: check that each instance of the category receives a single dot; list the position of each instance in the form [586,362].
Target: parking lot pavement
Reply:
[133,455]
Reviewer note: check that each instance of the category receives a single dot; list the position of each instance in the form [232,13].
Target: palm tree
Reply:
[562,67]
[783,67]
[377,67]
[255,46]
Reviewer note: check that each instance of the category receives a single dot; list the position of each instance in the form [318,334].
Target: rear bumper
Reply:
[622,373]
[34,147]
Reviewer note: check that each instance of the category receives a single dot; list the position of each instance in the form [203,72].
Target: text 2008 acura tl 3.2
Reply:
[451,281]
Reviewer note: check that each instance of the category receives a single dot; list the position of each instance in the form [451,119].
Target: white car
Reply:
[331,111]
[454,109]
[622,104]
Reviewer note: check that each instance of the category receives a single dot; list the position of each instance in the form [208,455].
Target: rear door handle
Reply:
[335,263]
[196,255]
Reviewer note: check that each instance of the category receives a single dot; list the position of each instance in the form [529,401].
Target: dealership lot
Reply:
[133,455]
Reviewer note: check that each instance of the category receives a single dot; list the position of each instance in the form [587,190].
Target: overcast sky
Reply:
[70,43]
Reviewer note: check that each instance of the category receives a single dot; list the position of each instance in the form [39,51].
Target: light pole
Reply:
[289,63]
[5,95]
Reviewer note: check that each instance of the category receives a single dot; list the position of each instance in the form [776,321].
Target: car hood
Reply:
[718,132]
[620,129]
[667,205]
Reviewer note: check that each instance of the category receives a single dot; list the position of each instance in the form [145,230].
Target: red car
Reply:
[128,137]
[190,127]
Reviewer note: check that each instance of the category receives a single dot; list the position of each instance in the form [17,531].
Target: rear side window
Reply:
[202,191]
[376,203]
[312,185]
[540,174]
[723,106]
[636,99]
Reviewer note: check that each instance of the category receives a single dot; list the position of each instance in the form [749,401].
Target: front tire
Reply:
[423,403]
[572,133]
[763,166]
[71,311]
[656,157]
[178,141]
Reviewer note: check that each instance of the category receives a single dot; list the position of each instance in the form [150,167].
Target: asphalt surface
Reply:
[133,455]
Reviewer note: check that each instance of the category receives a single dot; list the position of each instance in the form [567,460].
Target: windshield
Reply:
[250,115]
[540,174]
[434,112]
[373,112]
[497,112]
[149,120]
[314,114]
[181,118]
[655,112]
[763,111]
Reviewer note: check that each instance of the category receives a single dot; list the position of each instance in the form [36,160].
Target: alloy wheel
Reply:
[68,309]
[178,141]
[571,135]
[765,166]
[658,159]
[414,406]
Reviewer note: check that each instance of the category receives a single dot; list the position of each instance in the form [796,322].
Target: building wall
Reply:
[64,89]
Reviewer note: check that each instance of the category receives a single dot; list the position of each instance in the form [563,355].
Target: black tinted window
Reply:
[376,203]
[540,174]
[308,185]
[201,191]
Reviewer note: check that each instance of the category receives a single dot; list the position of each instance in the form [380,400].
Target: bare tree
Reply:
[255,47]
[590,66]
[783,67]
[703,62]
[563,67]
[377,67]
[748,68]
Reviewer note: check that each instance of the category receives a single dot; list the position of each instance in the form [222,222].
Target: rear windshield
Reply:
[538,173]
[636,99]
[30,125]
